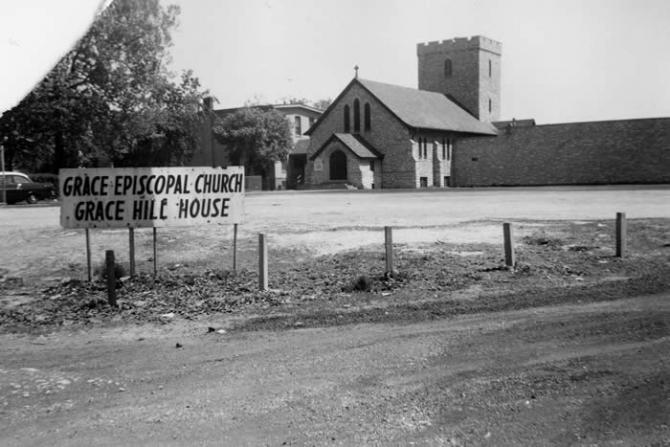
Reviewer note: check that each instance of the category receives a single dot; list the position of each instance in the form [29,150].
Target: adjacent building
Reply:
[284,173]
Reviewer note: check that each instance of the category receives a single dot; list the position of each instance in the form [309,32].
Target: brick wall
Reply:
[387,134]
[605,152]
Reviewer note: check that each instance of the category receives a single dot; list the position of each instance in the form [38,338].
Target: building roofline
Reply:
[335,136]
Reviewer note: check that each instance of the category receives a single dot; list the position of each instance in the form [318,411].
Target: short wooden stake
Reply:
[111,278]
[234,247]
[388,244]
[88,255]
[621,228]
[262,263]
[509,247]
[131,250]
[155,254]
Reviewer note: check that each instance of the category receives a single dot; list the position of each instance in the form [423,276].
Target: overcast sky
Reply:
[563,60]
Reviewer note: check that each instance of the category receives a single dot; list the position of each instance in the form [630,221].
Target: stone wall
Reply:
[605,152]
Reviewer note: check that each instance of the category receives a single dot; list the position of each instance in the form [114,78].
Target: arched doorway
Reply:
[338,165]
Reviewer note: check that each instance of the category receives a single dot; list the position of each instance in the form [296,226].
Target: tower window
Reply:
[298,126]
[357,115]
[490,106]
[490,69]
[447,68]
[346,119]
[366,116]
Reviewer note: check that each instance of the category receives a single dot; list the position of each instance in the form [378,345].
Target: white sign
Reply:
[151,197]
[318,165]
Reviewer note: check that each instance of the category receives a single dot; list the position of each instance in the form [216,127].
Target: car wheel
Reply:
[32,198]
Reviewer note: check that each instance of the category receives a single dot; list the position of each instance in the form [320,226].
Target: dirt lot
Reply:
[569,348]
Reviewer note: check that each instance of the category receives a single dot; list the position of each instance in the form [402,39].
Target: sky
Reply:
[562,60]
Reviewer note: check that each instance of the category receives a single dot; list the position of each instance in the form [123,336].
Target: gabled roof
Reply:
[419,109]
[422,109]
[355,143]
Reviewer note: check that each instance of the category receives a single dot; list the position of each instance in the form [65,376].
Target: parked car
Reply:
[19,187]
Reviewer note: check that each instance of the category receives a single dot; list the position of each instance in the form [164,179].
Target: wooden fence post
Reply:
[388,244]
[621,228]
[111,278]
[509,246]
[262,263]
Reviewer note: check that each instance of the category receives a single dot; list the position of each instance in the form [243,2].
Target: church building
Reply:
[448,133]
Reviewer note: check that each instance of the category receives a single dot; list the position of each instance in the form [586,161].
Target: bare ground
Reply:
[569,348]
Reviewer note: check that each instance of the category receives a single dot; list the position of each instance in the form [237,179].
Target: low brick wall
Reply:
[605,152]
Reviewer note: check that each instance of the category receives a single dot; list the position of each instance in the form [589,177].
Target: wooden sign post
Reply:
[131,250]
[88,254]
[111,277]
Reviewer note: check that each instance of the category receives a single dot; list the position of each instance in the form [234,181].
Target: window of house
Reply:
[357,115]
[447,68]
[346,119]
[366,117]
[298,126]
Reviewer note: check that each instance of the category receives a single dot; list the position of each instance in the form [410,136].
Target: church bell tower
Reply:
[467,69]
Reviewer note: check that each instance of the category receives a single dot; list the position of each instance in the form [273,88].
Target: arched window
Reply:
[357,115]
[447,68]
[490,105]
[338,165]
[346,118]
[366,117]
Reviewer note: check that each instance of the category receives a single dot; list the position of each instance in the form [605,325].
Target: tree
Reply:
[111,98]
[255,137]
[323,104]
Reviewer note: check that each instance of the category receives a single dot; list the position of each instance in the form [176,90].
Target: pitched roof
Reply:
[426,110]
[355,143]
[419,109]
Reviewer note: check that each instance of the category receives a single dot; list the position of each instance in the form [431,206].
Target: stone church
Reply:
[448,133]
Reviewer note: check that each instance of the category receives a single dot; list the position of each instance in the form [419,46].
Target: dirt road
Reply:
[585,374]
